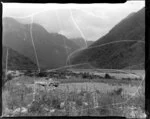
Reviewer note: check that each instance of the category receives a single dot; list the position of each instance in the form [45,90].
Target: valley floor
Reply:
[119,95]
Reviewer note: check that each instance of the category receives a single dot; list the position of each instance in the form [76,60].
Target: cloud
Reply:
[93,20]
[97,21]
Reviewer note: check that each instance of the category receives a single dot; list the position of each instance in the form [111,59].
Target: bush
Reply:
[107,76]
[35,107]
[105,99]
[72,96]
[104,110]
[4,80]
[128,79]
[117,91]
[42,74]
[56,103]
[9,77]
[28,72]
[79,101]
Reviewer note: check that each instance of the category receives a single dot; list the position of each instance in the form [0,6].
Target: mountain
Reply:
[81,42]
[33,41]
[130,28]
[16,60]
[122,47]
[89,43]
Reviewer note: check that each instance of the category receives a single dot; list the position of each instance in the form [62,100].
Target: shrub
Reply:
[107,76]
[56,103]
[35,107]
[105,99]
[42,74]
[28,72]
[89,99]
[79,101]
[128,79]
[9,77]
[104,110]
[72,96]
[12,102]
[117,91]
[83,92]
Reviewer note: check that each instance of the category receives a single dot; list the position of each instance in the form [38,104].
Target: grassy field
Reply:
[74,97]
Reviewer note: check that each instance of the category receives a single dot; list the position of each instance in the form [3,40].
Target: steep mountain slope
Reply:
[81,42]
[130,28]
[52,49]
[89,43]
[122,47]
[16,60]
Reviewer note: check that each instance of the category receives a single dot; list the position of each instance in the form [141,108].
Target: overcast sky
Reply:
[90,21]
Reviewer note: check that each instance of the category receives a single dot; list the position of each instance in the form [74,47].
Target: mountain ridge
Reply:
[117,55]
[16,61]
[52,49]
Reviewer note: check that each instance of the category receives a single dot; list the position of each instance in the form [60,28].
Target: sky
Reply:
[89,21]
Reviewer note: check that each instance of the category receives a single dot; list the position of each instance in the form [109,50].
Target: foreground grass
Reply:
[18,101]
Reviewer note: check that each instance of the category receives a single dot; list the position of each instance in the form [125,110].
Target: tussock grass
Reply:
[59,102]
